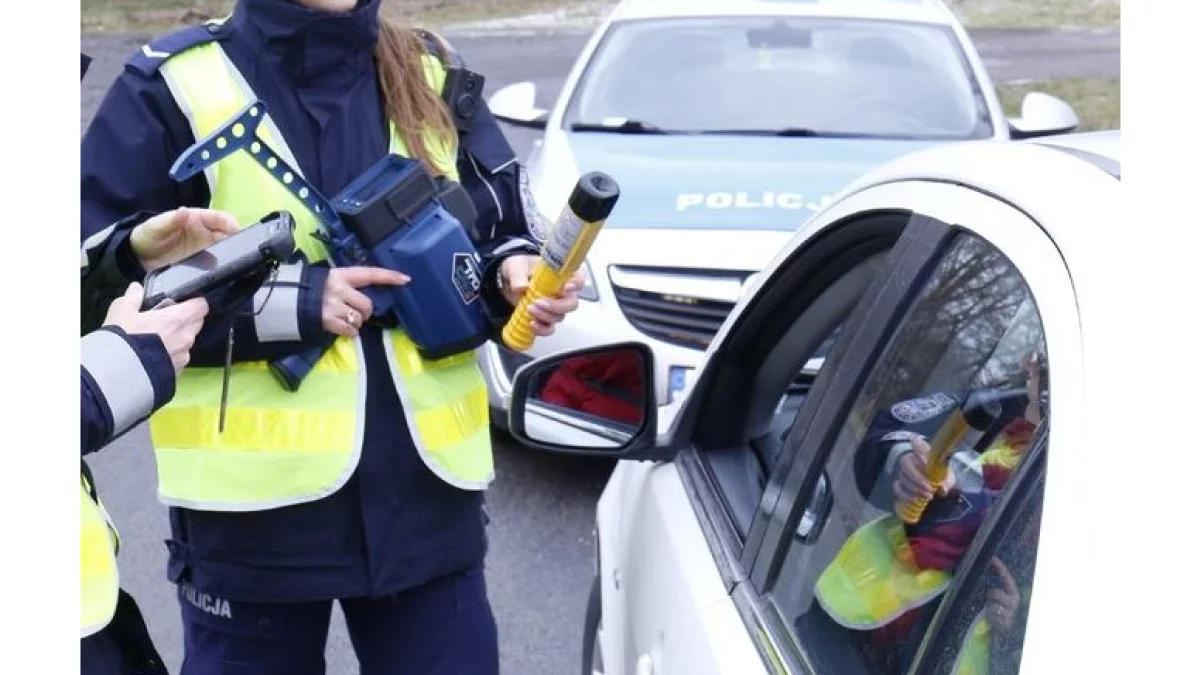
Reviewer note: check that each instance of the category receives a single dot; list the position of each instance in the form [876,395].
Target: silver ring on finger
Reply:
[352,317]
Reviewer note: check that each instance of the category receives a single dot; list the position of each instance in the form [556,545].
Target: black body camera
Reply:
[462,93]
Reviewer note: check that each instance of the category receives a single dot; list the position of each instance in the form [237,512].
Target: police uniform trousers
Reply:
[439,628]
[401,551]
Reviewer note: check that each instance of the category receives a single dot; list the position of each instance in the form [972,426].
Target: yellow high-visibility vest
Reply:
[279,447]
[973,657]
[873,580]
[98,578]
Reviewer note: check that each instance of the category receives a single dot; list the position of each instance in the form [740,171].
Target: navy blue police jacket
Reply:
[123,378]
[394,525]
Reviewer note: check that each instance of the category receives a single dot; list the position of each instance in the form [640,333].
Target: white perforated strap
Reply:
[277,306]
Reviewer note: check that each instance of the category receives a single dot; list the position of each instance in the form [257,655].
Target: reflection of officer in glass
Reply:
[607,385]
[910,480]
[991,644]
[883,581]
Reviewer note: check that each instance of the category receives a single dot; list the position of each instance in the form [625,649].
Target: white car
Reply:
[751,527]
[727,124]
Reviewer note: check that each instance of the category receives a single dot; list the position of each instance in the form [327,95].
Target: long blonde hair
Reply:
[411,104]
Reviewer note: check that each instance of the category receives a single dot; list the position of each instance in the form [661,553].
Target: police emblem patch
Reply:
[901,436]
[921,409]
[539,228]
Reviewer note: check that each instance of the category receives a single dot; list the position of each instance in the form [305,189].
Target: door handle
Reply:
[816,513]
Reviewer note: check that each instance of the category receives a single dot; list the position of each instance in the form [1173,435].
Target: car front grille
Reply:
[682,320]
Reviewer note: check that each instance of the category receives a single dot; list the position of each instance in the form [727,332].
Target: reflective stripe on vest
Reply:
[873,580]
[98,578]
[279,447]
[973,657]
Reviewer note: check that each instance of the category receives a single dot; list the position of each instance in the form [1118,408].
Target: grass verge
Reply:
[1038,13]
[1097,101]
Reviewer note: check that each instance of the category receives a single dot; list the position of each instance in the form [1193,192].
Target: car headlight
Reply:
[588,292]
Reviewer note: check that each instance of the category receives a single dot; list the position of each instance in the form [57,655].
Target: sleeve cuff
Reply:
[123,370]
[898,450]
[127,262]
[311,296]
[498,308]
[277,306]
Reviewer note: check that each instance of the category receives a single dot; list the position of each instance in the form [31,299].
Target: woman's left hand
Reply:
[516,271]
[172,236]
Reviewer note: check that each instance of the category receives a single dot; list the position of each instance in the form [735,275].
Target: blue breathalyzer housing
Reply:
[395,213]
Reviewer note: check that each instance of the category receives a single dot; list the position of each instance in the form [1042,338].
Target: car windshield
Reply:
[766,75]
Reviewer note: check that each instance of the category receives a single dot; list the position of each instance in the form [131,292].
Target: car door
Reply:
[838,582]
[706,557]
[672,534]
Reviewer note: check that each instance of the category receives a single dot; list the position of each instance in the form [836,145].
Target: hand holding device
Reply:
[344,308]
[174,235]
[177,325]
[587,209]
[979,411]
[244,259]
[516,273]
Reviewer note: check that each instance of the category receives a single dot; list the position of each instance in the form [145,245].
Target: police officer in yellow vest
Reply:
[886,578]
[128,368]
[365,486]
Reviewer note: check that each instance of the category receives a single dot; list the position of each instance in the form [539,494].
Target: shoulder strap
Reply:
[153,54]
[463,88]
[440,47]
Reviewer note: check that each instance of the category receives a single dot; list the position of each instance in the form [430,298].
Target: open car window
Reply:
[985,629]
[954,400]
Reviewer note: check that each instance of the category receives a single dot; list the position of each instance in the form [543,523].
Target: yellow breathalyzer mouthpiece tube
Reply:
[567,245]
[953,431]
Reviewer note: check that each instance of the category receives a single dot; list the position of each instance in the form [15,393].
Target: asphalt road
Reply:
[541,506]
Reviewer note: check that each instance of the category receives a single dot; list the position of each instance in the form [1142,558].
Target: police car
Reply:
[752,526]
[728,123]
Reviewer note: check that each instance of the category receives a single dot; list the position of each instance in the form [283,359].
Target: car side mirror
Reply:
[516,105]
[597,401]
[1043,115]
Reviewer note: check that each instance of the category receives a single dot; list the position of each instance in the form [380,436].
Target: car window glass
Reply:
[962,386]
[771,445]
[876,77]
[987,627]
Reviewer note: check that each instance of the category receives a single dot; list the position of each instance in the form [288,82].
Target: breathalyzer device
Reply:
[979,411]
[564,251]
[395,216]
